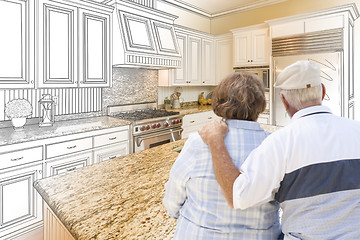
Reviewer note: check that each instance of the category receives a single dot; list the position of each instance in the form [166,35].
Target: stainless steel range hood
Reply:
[143,37]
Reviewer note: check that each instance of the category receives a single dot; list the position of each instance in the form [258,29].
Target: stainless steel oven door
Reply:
[150,140]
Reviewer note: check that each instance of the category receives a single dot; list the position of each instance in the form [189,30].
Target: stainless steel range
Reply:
[150,127]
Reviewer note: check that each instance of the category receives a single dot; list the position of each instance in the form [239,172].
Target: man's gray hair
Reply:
[300,98]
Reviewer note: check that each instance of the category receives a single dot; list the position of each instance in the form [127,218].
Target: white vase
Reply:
[18,122]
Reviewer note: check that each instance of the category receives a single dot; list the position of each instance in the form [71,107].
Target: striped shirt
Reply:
[194,197]
[314,172]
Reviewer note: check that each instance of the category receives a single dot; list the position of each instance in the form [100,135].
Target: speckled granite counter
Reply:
[60,128]
[116,199]
[192,109]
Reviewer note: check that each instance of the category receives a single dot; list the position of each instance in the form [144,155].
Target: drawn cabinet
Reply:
[74,46]
[251,46]
[21,205]
[17,48]
[95,58]
[111,151]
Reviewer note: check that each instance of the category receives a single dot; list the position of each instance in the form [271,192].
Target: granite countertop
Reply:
[192,109]
[60,128]
[117,199]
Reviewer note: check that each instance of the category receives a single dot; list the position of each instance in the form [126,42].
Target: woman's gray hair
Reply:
[299,98]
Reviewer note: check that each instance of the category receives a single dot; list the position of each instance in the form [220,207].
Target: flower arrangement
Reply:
[18,108]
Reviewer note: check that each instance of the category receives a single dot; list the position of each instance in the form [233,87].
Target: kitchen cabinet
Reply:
[77,54]
[223,56]
[251,46]
[20,204]
[198,57]
[193,122]
[111,151]
[17,48]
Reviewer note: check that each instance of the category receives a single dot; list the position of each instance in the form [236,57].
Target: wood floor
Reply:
[37,234]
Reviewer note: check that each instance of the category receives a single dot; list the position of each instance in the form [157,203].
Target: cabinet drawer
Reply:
[63,148]
[67,164]
[23,156]
[198,118]
[110,138]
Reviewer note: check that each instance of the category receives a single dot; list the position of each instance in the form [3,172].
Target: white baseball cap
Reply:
[301,74]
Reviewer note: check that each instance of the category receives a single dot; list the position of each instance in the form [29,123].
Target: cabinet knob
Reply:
[251,60]
[248,60]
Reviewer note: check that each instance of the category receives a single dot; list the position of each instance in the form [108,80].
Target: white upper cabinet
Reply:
[95,54]
[251,46]
[74,45]
[223,56]
[198,60]
[16,44]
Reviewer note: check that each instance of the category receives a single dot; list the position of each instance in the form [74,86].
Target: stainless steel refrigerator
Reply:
[331,75]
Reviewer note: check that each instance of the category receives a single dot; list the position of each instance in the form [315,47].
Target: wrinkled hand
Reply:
[213,132]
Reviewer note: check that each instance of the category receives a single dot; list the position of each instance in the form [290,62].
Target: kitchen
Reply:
[102,87]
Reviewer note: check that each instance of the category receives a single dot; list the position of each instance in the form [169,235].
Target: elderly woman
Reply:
[193,195]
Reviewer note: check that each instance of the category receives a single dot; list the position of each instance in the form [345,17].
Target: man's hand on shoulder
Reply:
[213,132]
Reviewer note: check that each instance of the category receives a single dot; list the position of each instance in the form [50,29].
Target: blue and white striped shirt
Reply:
[195,198]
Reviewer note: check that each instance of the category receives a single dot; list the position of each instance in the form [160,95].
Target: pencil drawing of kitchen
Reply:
[98,97]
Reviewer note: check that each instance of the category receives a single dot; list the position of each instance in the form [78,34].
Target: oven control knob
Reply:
[177,121]
[158,125]
[147,127]
[166,124]
[153,126]
[173,121]
[142,128]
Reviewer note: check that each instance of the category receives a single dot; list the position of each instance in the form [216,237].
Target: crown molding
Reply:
[183,5]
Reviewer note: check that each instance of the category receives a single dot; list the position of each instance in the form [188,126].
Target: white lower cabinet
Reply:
[193,122]
[20,204]
[111,151]
[67,164]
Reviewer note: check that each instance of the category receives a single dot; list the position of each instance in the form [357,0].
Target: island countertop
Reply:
[117,199]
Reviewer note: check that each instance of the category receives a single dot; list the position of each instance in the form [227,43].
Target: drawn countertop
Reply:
[117,199]
[60,128]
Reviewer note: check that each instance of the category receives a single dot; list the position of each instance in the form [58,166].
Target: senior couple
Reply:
[231,178]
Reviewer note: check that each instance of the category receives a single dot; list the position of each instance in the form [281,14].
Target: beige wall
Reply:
[186,18]
[223,24]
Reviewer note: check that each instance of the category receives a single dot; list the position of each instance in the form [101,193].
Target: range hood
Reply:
[143,37]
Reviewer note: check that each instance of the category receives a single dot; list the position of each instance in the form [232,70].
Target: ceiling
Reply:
[213,8]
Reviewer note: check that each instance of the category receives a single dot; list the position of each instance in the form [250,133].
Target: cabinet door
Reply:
[223,59]
[111,151]
[67,164]
[16,44]
[260,47]
[95,61]
[208,62]
[58,36]
[179,75]
[20,204]
[194,61]
[242,52]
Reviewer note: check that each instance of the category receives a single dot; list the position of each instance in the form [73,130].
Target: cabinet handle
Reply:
[203,81]
[248,60]
[192,121]
[113,138]
[209,117]
[112,157]
[71,147]
[71,169]
[16,159]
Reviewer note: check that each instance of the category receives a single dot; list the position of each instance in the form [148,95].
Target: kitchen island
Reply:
[116,199]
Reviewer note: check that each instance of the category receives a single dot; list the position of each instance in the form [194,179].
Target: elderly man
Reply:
[311,166]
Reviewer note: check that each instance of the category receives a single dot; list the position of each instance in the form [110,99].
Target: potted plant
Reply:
[17,111]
